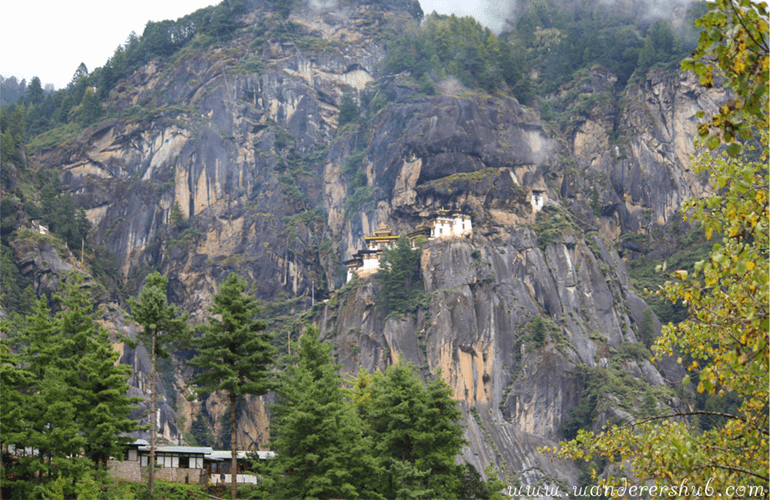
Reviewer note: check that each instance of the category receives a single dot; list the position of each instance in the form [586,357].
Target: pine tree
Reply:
[321,451]
[35,93]
[105,404]
[234,353]
[400,277]
[15,401]
[649,406]
[200,430]
[349,111]
[98,385]
[163,329]
[176,217]
[12,129]
[71,394]
[80,74]
[53,432]
[647,328]
[419,425]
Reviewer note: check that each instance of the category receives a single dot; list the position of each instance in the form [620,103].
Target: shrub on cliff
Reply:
[724,341]
[403,290]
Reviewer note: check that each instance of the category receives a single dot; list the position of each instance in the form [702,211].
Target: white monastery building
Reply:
[445,224]
[538,200]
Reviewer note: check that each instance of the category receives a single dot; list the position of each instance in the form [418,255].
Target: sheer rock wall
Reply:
[243,151]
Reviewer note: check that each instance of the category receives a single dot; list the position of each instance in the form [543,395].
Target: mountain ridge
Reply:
[244,139]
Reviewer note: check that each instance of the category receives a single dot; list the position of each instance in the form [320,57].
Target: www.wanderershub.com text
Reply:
[683,489]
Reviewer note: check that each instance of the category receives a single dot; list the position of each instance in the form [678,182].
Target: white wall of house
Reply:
[239,479]
[171,460]
[457,225]
[371,262]
[167,460]
[462,225]
[538,200]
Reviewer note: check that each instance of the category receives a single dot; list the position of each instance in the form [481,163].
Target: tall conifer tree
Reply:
[71,396]
[416,425]
[163,329]
[321,451]
[234,353]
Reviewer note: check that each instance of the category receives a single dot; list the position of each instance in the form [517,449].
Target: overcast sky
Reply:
[50,38]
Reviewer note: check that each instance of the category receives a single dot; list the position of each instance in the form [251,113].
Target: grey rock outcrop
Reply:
[243,138]
[41,260]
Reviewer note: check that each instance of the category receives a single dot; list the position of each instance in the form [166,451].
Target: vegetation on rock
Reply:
[402,287]
[724,340]
[459,47]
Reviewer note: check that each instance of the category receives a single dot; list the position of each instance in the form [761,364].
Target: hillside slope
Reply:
[240,140]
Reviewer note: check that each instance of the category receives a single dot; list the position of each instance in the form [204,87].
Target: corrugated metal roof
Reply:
[241,454]
[208,452]
[181,449]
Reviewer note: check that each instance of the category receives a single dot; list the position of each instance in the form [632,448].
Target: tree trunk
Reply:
[234,448]
[153,418]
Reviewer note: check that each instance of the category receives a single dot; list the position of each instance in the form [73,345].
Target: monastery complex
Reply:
[443,225]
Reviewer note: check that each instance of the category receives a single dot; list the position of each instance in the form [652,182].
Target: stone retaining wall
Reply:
[178,475]
[127,470]
[130,471]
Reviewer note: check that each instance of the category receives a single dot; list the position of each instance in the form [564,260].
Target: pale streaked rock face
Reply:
[243,152]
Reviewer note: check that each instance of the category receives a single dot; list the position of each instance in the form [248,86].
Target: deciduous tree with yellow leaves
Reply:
[725,338]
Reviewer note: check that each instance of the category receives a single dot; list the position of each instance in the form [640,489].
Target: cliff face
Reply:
[238,136]
[484,294]
[635,147]
[243,138]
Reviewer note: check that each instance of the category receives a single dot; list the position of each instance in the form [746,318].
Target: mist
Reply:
[489,13]
[499,15]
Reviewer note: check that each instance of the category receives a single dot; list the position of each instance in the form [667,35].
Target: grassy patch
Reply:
[306,218]
[59,136]
[551,223]
[611,386]
[693,247]
[539,328]
[184,238]
[252,64]
[359,193]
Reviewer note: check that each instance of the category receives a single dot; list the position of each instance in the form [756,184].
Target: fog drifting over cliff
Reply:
[496,15]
